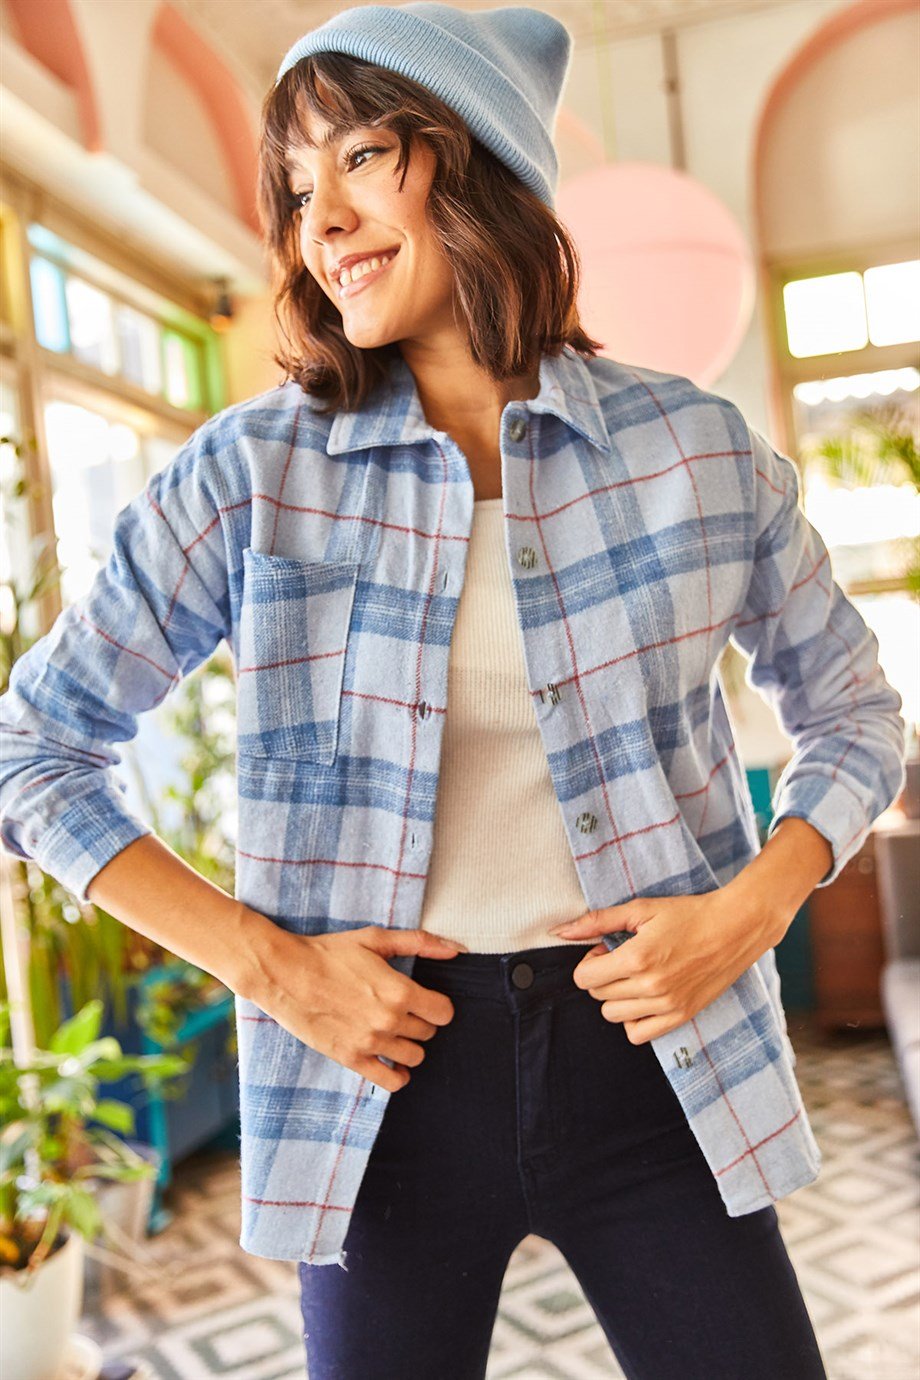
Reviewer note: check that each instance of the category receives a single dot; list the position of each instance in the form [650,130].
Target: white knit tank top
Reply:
[501,868]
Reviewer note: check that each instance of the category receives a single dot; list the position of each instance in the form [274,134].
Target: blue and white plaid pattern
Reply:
[330,553]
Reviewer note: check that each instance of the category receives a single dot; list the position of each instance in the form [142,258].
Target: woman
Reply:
[445,427]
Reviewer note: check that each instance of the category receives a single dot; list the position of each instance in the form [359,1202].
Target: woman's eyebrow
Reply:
[329,138]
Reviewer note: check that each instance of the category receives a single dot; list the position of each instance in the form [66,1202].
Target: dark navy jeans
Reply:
[530,1113]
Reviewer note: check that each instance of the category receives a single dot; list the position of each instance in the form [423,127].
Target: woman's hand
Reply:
[685,951]
[339,995]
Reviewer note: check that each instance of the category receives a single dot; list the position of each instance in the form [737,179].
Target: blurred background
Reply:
[742,178]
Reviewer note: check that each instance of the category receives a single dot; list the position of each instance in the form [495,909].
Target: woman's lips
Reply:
[364,281]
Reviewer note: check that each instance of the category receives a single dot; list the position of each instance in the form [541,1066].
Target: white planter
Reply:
[38,1313]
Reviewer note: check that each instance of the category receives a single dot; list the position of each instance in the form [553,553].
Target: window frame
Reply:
[41,373]
[790,370]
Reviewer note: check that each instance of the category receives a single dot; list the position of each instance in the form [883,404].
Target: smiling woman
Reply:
[359,163]
[540,661]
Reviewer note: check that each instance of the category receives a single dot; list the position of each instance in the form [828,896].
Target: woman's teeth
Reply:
[351,275]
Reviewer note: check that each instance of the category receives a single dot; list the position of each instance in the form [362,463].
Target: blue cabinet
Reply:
[208,1110]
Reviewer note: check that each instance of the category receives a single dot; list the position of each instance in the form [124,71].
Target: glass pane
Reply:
[855,437]
[826,314]
[183,383]
[49,306]
[893,303]
[98,464]
[895,620]
[139,345]
[92,328]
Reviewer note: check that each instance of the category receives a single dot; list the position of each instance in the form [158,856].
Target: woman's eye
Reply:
[296,199]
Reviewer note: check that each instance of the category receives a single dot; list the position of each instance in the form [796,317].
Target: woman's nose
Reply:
[326,210]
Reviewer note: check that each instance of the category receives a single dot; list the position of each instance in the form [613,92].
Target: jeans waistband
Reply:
[526,977]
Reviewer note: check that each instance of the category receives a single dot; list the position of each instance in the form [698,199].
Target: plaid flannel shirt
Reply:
[646,525]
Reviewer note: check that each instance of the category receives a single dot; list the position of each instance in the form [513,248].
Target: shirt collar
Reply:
[566,390]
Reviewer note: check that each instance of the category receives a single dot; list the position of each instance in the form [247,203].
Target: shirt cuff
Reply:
[832,809]
[86,836]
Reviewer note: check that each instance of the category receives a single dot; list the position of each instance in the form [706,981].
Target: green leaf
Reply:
[74,1035]
[125,1173]
[118,1115]
[13,1146]
[107,1048]
[82,1211]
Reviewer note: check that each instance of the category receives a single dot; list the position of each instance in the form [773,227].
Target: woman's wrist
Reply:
[257,957]
[250,961]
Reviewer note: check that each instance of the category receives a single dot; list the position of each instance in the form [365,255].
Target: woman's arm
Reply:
[153,891]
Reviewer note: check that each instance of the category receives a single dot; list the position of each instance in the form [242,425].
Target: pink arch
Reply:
[50,35]
[837,29]
[223,100]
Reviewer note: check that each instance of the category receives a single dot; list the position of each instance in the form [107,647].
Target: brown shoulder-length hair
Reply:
[516,268]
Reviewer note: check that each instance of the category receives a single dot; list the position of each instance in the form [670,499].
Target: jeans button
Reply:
[522,975]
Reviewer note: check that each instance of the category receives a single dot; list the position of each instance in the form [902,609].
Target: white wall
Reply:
[855,176]
[725,69]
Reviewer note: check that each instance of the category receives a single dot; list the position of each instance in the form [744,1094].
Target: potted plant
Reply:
[59,1140]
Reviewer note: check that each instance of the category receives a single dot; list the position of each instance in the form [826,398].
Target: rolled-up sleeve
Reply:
[156,610]
[814,659]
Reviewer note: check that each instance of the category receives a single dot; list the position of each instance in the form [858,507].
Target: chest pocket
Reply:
[294,623]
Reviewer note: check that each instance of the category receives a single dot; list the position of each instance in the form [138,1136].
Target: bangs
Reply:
[331,92]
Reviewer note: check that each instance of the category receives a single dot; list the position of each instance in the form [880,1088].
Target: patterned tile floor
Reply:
[209,1309]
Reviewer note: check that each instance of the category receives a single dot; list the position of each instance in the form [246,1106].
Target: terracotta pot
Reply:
[39,1311]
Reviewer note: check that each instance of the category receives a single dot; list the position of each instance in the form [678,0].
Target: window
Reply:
[102,379]
[846,311]
[156,348]
[852,410]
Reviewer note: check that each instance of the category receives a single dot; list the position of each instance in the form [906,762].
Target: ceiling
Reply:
[254,35]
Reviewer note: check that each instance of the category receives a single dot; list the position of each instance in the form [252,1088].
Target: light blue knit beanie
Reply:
[501,70]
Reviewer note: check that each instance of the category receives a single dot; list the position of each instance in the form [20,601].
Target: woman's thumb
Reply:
[415,941]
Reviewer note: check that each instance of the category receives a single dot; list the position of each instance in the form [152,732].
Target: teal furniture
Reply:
[793,953]
[207,1114]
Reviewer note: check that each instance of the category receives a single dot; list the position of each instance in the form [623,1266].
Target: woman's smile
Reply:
[367,276]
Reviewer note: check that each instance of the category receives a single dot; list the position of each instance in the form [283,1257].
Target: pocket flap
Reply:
[294,622]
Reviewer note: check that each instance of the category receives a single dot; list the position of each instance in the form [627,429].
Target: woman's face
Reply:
[349,203]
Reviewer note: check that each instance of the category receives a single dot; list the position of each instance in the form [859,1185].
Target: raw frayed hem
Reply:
[337,1259]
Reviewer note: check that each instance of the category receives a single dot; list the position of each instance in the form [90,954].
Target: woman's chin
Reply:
[367,335]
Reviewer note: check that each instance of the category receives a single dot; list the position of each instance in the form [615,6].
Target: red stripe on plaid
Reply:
[113,641]
[765,1141]
[27,733]
[333,862]
[295,1203]
[291,661]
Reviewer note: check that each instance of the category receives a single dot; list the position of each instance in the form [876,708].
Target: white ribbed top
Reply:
[501,869]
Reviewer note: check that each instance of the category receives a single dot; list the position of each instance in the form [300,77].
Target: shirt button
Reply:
[527,557]
[551,693]
[517,428]
[522,975]
[586,822]
[423,709]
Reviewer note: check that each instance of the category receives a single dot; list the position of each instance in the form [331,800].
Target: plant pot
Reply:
[39,1311]
[126,1206]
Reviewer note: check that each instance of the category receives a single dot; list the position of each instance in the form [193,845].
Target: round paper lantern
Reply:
[667,277]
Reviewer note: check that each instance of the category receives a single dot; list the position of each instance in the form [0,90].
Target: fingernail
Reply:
[560,929]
